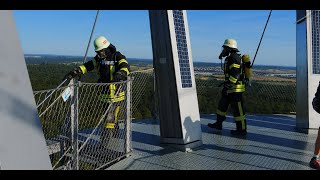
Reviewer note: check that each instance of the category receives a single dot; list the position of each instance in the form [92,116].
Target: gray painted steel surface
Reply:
[307,79]
[175,82]
[22,143]
[302,75]
[164,75]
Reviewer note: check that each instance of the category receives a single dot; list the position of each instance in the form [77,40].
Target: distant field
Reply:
[254,78]
[268,94]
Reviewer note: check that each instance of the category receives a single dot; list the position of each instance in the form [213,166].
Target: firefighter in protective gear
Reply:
[233,89]
[315,160]
[111,66]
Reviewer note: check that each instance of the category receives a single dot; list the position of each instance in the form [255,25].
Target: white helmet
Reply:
[100,43]
[231,43]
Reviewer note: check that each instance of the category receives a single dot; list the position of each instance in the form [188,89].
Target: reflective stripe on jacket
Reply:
[233,72]
[106,71]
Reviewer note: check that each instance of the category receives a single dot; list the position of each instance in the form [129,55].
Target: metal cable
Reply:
[51,93]
[94,25]
[261,38]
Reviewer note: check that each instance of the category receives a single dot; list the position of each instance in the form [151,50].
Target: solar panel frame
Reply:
[182,48]
[315,23]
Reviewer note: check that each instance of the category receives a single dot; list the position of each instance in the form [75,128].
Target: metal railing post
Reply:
[74,124]
[155,98]
[128,117]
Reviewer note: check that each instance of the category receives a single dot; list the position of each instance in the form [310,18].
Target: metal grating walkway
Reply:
[272,143]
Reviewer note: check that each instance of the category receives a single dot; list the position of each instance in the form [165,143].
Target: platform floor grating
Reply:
[272,143]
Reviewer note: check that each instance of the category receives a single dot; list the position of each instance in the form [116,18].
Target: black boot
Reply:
[216,125]
[239,130]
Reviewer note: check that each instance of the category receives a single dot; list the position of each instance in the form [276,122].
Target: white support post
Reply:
[74,125]
[128,117]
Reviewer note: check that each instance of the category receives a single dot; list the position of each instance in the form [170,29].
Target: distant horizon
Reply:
[148,59]
[67,32]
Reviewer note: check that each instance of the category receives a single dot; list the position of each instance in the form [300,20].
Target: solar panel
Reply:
[182,47]
[315,21]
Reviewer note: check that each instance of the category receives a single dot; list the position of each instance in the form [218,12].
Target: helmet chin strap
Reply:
[102,56]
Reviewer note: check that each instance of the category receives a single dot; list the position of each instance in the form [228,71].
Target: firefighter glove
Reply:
[74,73]
[118,77]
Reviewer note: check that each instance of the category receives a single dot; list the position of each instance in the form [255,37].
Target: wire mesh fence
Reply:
[89,130]
[270,93]
[143,95]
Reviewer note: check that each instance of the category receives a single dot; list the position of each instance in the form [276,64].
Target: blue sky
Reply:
[65,32]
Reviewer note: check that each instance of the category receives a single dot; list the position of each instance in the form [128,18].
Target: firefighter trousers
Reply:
[236,102]
[110,126]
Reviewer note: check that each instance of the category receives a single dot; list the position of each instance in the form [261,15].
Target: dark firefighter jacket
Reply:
[316,100]
[117,65]
[233,72]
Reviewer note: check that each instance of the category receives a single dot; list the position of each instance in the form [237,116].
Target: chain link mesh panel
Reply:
[102,126]
[143,95]
[103,131]
[54,112]
[269,93]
